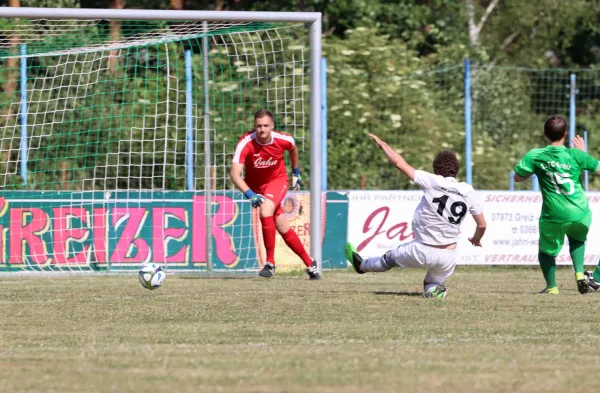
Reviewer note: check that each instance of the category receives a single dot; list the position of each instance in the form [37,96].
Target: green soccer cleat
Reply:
[353,257]
[437,293]
[549,291]
[582,283]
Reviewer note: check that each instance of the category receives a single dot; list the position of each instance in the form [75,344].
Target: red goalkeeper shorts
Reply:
[275,191]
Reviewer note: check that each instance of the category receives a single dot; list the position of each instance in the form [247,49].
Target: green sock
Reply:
[548,265]
[577,251]
[597,273]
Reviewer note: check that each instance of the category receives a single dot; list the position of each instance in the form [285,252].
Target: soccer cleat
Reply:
[353,257]
[313,271]
[549,291]
[592,283]
[437,293]
[268,270]
[582,283]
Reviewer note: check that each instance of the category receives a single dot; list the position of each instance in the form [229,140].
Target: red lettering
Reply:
[30,234]
[100,235]
[397,230]
[64,234]
[130,248]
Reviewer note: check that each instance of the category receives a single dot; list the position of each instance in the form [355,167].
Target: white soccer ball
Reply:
[152,276]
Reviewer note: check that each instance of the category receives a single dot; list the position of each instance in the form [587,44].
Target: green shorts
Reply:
[552,234]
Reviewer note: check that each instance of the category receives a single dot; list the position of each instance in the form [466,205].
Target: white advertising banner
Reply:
[381,220]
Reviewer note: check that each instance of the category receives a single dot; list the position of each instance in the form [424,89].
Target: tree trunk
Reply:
[114,27]
[475,29]
[177,5]
[11,73]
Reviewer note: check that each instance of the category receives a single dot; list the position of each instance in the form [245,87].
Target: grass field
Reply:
[346,333]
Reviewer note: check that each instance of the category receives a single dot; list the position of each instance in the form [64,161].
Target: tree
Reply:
[475,28]
[115,35]
[11,73]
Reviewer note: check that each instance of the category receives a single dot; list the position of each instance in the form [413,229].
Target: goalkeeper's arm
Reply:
[395,158]
[236,177]
[295,160]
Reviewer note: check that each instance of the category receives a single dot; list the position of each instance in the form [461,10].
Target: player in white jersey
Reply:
[436,223]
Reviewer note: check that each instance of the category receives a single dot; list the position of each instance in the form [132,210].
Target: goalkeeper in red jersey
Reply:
[261,153]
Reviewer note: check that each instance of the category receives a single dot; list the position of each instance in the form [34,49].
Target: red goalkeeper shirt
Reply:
[263,163]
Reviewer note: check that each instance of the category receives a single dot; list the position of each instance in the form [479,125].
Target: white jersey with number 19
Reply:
[445,203]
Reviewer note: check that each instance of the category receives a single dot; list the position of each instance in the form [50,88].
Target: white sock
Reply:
[374,264]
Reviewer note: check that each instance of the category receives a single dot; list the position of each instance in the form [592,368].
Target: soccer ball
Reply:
[152,276]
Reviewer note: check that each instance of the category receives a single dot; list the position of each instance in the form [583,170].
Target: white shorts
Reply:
[439,263]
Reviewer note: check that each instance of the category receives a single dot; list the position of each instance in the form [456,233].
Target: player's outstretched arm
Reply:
[395,158]
[479,229]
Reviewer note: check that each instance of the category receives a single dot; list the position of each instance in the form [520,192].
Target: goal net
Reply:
[116,140]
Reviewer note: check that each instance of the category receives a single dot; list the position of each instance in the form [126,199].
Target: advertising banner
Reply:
[381,220]
[122,230]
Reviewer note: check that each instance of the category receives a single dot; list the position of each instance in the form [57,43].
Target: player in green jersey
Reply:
[565,210]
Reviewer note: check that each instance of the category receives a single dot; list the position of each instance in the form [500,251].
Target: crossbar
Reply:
[133,14]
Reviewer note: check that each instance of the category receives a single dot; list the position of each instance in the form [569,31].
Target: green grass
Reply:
[346,333]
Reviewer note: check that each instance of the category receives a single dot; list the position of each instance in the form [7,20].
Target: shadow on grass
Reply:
[420,294]
[237,276]
[201,277]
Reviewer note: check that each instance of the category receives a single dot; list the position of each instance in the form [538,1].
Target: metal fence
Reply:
[499,121]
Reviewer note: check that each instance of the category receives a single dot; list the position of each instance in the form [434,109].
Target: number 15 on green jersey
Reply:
[558,170]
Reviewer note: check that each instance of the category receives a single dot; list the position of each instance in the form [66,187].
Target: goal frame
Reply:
[313,19]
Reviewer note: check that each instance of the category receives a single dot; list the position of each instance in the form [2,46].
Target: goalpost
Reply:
[118,128]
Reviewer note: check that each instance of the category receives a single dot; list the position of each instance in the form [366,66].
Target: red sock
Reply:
[294,243]
[268,230]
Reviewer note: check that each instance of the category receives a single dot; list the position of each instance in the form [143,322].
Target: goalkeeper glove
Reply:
[255,199]
[296,179]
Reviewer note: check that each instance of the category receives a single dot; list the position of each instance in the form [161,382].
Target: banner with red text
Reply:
[119,231]
[381,220]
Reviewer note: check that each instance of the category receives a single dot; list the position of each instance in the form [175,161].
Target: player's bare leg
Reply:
[268,229]
[293,242]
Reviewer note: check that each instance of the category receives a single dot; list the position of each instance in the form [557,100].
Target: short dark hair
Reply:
[262,113]
[555,128]
[446,164]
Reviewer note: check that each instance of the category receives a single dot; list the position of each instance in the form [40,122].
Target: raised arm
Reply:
[579,143]
[395,158]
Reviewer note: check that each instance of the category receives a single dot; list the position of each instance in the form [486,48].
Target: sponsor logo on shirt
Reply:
[261,164]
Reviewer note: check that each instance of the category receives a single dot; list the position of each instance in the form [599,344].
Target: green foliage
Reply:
[375,87]
[540,30]
[394,69]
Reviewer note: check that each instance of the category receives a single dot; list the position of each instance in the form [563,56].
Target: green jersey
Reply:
[558,170]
